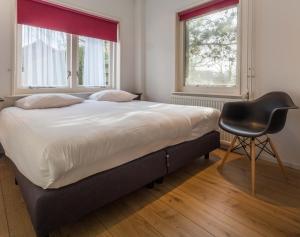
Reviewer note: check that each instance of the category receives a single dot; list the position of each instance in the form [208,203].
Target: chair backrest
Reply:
[273,107]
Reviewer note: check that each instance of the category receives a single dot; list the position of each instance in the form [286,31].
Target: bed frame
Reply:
[53,208]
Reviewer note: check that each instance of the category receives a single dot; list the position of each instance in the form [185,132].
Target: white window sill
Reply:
[210,95]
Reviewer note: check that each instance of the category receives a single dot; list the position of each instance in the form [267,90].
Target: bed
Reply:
[73,160]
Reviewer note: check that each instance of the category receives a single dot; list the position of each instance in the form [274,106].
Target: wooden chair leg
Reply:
[253,163]
[228,152]
[277,158]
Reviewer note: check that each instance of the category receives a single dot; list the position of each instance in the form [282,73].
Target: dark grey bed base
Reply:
[50,209]
[1,151]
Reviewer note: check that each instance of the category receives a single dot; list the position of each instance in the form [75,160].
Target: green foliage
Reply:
[107,61]
[211,43]
[81,52]
[81,65]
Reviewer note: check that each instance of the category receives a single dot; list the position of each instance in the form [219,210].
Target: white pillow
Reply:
[45,101]
[113,96]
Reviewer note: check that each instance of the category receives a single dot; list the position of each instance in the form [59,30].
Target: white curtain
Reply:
[44,58]
[94,62]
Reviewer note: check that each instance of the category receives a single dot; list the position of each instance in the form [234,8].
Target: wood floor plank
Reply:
[211,176]
[269,207]
[166,220]
[3,221]
[281,211]
[212,221]
[273,175]
[273,191]
[266,168]
[280,193]
[89,226]
[18,219]
[119,220]
[256,219]
[199,200]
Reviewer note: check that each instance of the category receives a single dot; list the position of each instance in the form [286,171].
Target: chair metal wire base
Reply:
[262,145]
[250,145]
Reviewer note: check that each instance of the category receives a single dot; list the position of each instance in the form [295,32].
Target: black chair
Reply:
[249,121]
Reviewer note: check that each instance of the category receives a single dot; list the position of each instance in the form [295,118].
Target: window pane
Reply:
[94,62]
[44,58]
[211,49]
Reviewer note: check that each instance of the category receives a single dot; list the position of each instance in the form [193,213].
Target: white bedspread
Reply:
[57,147]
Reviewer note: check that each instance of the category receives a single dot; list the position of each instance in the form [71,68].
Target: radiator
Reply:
[216,103]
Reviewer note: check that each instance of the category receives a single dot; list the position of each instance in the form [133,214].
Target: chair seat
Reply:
[265,115]
[244,128]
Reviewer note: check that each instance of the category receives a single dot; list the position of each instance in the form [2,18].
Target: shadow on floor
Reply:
[127,207]
[271,186]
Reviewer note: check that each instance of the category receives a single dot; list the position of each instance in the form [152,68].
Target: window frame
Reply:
[72,66]
[245,71]
[75,65]
[17,60]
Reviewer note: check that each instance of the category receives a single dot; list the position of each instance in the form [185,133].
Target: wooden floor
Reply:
[199,200]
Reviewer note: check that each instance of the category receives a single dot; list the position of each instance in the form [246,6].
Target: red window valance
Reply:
[47,15]
[206,8]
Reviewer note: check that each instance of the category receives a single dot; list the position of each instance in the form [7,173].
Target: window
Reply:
[211,49]
[94,62]
[47,59]
[44,58]
[56,54]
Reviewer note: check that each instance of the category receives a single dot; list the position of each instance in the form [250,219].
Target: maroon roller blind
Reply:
[206,8]
[51,16]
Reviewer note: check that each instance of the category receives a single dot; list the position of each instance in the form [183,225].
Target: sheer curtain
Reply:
[94,62]
[44,55]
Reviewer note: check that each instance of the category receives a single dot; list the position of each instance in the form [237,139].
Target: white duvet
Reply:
[57,147]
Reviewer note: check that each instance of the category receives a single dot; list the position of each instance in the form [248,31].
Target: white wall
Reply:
[277,63]
[119,9]
[139,26]
[6,32]
[160,60]
[277,57]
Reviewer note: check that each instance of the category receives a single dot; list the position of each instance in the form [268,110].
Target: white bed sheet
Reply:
[57,147]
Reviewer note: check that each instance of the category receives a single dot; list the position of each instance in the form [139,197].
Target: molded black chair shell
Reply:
[266,115]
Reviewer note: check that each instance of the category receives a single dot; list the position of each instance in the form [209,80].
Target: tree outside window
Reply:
[211,46]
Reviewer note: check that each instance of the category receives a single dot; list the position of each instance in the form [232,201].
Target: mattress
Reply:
[54,148]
